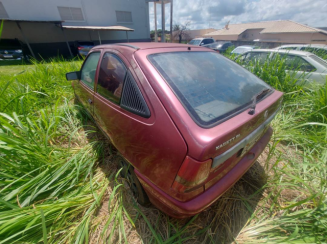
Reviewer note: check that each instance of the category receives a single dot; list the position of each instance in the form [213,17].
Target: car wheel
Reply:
[128,173]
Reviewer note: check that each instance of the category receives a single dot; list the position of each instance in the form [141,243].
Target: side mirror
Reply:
[73,75]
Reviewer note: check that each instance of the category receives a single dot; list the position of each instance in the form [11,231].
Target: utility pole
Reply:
[171,20]
[155,22]
[163,39]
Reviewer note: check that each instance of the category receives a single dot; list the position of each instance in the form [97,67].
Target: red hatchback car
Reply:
[187,122]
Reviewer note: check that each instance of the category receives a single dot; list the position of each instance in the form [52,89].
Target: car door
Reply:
[84,88]
[121,115]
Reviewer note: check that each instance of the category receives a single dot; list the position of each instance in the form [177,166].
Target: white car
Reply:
[305,65]
[201,41]
[318,49]
[242,49]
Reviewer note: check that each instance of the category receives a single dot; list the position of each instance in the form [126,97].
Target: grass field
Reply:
[59,180]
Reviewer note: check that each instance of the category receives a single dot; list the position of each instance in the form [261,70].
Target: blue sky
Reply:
[215,14]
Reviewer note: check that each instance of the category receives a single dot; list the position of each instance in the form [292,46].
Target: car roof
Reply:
[145,45]
[323,46]
[294,52]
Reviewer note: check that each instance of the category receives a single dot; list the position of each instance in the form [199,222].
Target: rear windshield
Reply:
[211,87]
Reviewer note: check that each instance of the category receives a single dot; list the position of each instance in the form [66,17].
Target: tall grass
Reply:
[53,187]
[49,185]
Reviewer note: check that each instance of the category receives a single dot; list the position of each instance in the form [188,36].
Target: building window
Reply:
[72,14]
[124,17]
[3,12]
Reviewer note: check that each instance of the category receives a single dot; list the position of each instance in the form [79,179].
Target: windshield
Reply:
[210,86]
[195,42]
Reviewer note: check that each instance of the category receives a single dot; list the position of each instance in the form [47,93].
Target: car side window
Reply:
[111,77]
[257,56]
[210,41]
[89,69]
[297,63]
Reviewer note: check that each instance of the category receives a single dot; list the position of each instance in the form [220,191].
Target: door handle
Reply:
[90,101]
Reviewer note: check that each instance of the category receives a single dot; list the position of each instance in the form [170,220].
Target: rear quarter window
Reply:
[211,87]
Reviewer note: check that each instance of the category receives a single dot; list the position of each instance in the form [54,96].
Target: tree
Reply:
[180,31]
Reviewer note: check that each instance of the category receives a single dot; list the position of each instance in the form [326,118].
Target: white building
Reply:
[38,22]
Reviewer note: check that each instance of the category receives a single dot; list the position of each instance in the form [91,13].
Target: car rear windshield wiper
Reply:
[256,97]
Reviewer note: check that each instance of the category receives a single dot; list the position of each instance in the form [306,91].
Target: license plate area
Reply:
[250,144]
[8,56]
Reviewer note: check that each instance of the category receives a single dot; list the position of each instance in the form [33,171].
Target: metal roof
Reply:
[279,26]
[88,27]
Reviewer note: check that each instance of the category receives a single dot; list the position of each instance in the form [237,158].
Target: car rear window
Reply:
[211,87]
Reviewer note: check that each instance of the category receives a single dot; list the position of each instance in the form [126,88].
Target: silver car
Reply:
[305,65]
[243,49]
[319,49]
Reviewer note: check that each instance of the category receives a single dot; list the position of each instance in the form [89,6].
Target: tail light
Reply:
[80,48]
[218,51]
[191,175]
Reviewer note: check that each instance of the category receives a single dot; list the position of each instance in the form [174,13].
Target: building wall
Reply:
[95,13]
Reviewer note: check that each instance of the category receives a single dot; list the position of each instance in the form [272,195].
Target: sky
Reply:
[203,14]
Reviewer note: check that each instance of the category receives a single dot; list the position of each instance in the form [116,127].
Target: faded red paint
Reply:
[158,146]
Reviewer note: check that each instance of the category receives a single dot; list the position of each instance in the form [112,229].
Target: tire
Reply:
[128,173]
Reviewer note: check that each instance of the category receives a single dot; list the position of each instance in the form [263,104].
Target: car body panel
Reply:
[189,208]
[157,146]
[152,145]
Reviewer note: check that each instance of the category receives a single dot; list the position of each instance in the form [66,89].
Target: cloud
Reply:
[215,14]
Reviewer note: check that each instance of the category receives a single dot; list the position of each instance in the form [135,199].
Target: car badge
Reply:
[6,52]
[266,114]
[228,141]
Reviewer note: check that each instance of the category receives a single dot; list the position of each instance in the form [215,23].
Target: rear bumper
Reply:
[179,209]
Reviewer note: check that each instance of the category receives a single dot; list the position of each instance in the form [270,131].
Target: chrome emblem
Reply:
[6,52]
[266,114]
[227,142]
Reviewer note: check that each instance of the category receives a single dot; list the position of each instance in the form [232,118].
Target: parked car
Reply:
[187,122]
[201,41]
[82,48]
[219,46]
[305,65]
[319,49]
[242,49]
[11,49]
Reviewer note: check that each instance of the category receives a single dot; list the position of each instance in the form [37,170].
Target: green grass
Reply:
[60,184]
[10,68]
